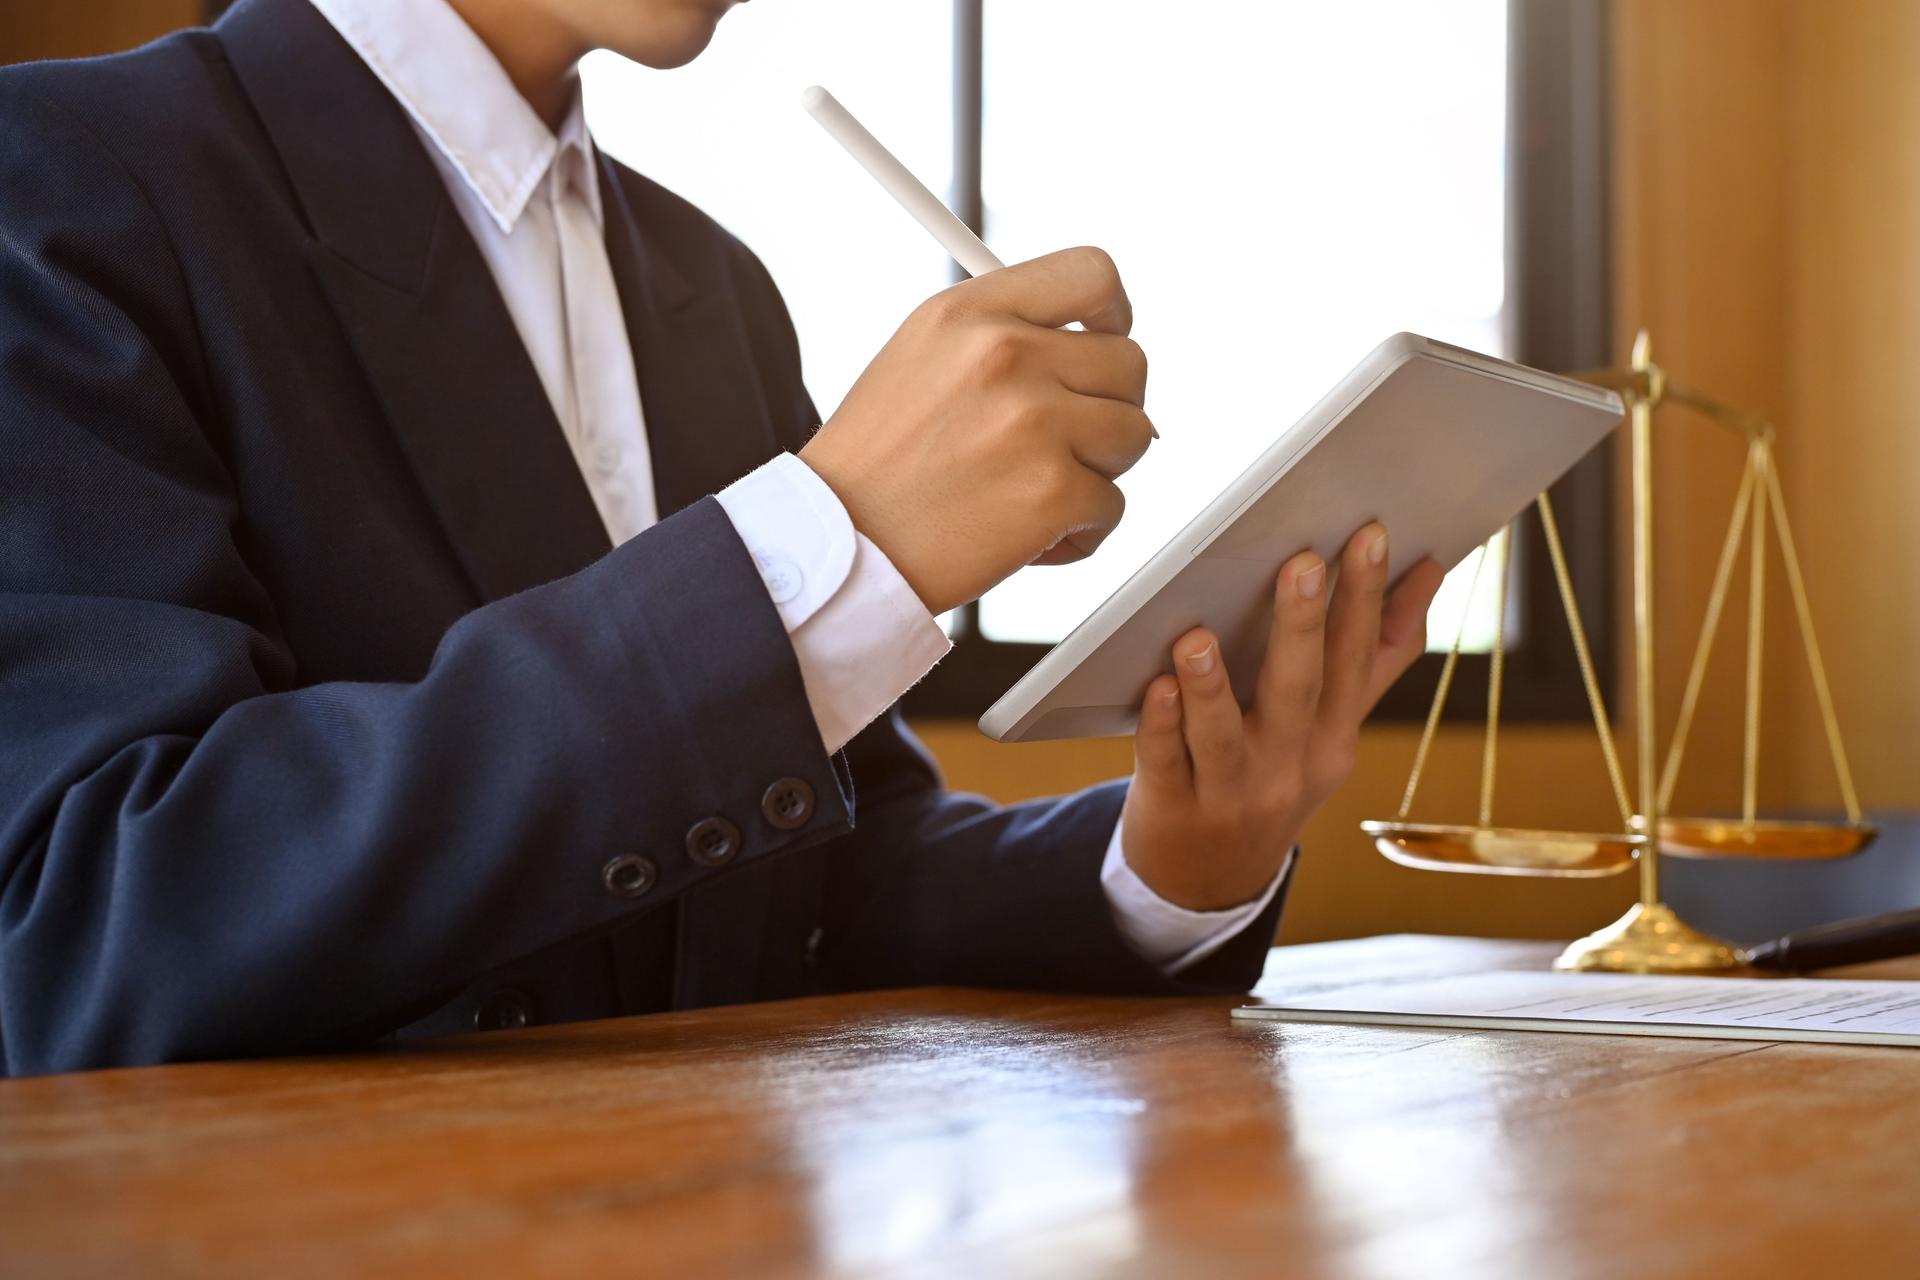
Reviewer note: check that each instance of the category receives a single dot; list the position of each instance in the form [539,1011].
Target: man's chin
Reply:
[689,38]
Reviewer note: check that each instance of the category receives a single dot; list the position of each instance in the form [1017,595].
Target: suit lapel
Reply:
[418,304]
[707,420]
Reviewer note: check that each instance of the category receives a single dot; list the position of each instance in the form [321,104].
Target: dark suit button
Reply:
[712,842]
[503,1011]
[629,875]
[788,803]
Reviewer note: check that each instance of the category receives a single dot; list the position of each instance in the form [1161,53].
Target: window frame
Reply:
[1558,317]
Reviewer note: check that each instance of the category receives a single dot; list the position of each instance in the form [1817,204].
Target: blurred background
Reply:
[1284,184]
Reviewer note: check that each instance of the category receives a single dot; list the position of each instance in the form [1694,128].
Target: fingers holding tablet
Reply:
[1353,629]
[1287,697]
[1159,746]
[1192,828]
[1214,727]
[1220,796]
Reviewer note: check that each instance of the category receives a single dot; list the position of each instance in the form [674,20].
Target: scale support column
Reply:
[1650,938]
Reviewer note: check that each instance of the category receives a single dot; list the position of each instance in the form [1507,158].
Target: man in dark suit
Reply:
[426,601]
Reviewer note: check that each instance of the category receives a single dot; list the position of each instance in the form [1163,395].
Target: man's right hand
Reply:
[984,436]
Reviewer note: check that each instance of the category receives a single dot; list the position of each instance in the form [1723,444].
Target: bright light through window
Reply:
[1282,184]
[727,132]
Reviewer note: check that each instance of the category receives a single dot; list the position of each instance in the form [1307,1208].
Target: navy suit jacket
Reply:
[326,710]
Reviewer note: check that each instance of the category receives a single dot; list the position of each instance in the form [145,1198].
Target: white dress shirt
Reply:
[531,199]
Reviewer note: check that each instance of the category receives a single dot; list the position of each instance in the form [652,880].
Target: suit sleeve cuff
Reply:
[860,634]
[1164,933]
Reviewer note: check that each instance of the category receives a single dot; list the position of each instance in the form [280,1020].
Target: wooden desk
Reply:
[964,1131]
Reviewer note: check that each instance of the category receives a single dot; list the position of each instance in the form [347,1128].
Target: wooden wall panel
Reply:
[35,29]
[1768,213]
[1851,456]
[1701,238]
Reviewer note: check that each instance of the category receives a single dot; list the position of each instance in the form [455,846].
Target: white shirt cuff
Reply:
[1171,936]
[861,635]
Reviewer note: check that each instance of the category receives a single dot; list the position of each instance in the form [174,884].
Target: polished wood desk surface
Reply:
[949,1131]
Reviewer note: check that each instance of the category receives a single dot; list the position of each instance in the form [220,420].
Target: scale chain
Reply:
[1797,588]
[1756,629]
[1496,675]
[1595,701]
[1446,683]
[1716,602]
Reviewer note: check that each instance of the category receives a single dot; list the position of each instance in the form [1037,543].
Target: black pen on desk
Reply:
[1843,942]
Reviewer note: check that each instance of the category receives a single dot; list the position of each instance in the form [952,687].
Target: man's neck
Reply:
[539,54]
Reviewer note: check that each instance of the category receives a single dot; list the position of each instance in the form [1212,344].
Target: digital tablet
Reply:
[1442,445]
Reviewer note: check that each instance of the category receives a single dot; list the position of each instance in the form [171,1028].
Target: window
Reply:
[1282,185]
[727,132]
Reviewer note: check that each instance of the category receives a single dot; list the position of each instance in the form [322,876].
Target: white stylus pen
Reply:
[955,236]
[927,210]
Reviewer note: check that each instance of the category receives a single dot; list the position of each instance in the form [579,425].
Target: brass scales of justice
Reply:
[1651,937]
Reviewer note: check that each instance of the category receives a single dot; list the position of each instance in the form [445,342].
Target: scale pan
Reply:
[1732,838]
[1504,851]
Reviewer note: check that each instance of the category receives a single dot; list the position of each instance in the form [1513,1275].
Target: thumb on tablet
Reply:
[1159,748]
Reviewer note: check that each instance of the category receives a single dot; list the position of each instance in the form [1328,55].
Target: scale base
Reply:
[1650,938]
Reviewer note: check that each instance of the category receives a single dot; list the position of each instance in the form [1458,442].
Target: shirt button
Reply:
[504,1010]
[782,576]
[788,803]
[712,842]
[629,875]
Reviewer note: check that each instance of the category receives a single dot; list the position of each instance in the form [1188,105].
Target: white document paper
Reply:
[1835,1012]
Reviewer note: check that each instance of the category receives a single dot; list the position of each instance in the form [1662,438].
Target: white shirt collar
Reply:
[461,100]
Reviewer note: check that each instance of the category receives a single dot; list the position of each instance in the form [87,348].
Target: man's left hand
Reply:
[1219,796]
